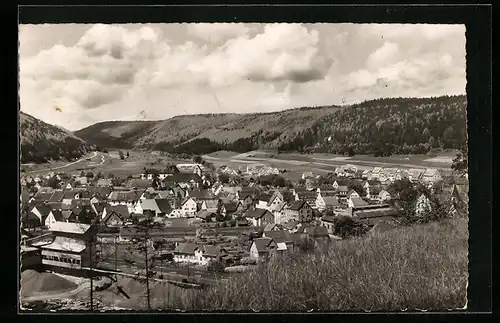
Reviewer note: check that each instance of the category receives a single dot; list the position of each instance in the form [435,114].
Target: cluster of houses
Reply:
[184,191]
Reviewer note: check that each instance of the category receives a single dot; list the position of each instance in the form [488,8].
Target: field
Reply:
[375,273]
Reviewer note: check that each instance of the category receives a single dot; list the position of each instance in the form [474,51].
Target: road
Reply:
[68,164]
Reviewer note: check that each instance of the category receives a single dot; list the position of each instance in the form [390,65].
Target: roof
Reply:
[380,212]
[269,227]
[343,188]
[57,196]
[127,196]
[278,236]
[65,244]
[328,218]
[375,190]
[324,188]
[429,172]
[40,196]
[296,206]
[358,202]
[265,197]
[101,191]
[201,194]
[164,205]
[204,214]
[331,201]
[212,251]
[149,204]
[141,183]
[257,213]
[186,248]
[231,206]
[103,182]
[277,207]
[289,225]
[210,204]
[122,210]
[110,214]
[78,228]
[262,243]
[183,177]
[316,231]
[43,209]
[58,216]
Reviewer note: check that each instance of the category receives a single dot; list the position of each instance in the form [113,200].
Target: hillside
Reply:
[41,141]
[384,126]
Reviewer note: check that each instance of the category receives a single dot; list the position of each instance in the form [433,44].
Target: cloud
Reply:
[217,32]
[111,72]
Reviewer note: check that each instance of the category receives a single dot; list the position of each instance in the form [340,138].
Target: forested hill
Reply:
[384,126]
[40,141]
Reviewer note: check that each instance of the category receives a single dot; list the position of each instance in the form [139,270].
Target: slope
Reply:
[40,141]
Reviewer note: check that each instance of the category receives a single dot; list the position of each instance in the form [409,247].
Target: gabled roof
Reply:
[140,183]
[342,182]
[379,212]
[57,196]
[40,196]
[122,210]
[429,172]
[68,227]
[211,203]
[205,215]
[201,194]
[265,197]
[231,206]
[164,205]
[58,216]
[262,244]
[186,248]
[375,190]
[127,196]
[316,231]
[111,214]
[70,194]
[328,218]
[358,202]
[331,201]
[183,178]
[257,213]
[343,188]
[278,236]
[43,209]
[213,251]
[296,206]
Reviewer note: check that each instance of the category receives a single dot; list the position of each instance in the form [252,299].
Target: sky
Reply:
[75,75]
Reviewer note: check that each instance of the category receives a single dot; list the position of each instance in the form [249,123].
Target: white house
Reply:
[431,175]
[261,247]
[190,253]
[189,207]
[383,196]
[53,217]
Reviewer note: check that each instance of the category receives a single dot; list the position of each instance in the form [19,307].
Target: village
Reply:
[201,219]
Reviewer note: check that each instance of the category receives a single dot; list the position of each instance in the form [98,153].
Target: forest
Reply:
[380,127]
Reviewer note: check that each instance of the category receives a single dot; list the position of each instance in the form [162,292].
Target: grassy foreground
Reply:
[417,267]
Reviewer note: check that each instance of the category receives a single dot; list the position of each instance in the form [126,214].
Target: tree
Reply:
[350,152]
[89,175]
[346,227]
[358,188]
[128,154]
[197,159]
[279,181]
[460,164]
[53,182]
[224,178]
[120,153]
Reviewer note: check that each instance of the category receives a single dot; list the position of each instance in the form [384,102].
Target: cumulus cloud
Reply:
[116,71]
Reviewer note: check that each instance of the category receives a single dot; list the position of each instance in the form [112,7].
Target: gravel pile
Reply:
[33,282]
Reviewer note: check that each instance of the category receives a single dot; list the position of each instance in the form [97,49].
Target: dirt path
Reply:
[63,166]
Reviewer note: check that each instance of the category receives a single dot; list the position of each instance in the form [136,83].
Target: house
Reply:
[342,191]
[104,182]
[113,219]
[128,198]
[373,192]
[259,217]
[246,200]
[262,248]
[136,183]
[53,217]
[326,189]
[327,202]
[283,239]
[356,202]
[121,210]
[69,248]
[217,188]
[66,186]
[210,205]
[81,180]
[300,211]
[184,180]
[189,207]
[307,175]
[41,212]
[279,212]
[352,193]
[328,221]
[201,195]
[232,209]
[308,196]
[214,253]
[423,205]
[318,233]
[460,193]
[415,174]
[205,215]
[83,214]
[165,207]
[190,169]
[372,216]
[431,175]
[190,253]
[383,196]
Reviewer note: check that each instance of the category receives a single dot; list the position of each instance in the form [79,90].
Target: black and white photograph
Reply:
[243,167]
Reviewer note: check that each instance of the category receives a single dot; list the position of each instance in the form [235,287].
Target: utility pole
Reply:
[91,273]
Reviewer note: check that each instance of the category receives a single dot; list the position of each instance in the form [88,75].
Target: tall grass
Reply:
[415,267]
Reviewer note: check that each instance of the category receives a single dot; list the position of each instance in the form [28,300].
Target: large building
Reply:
[71,246]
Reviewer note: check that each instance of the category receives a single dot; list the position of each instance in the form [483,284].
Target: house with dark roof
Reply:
[121,210]
[42,212]
[83,214]
[327,202]
[356,202]
[53,217]
[185,180]
[104,182]
[113,219]
[300,211]
[205,215]
[136,183]
[372,216]
[282,238]
[340,182]
[262,248]
[189,252]
[201,195]
[128,198]
[319,234]
[259,217]
[231,209]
